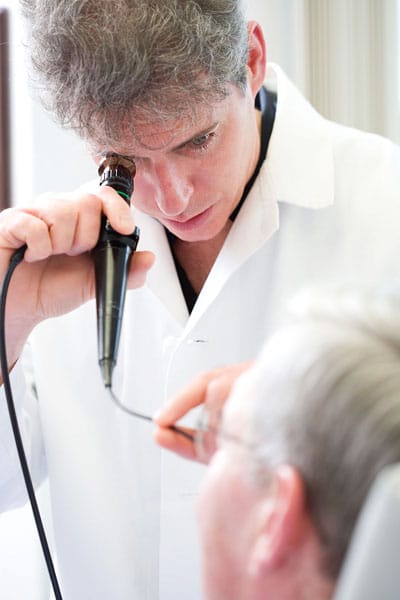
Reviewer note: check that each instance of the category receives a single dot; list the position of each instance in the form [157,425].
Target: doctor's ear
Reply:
[281,523]
[257,58]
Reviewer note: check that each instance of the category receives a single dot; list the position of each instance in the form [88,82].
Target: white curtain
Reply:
[354,62]
[343,54]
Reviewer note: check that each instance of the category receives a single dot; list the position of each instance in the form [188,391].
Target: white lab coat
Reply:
[325,209]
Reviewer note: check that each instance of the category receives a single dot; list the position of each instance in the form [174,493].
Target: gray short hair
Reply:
[104,64]
[326,399]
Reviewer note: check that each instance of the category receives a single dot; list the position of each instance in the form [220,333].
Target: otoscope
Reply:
[112,256]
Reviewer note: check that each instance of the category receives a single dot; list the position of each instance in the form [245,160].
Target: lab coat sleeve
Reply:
[12,487]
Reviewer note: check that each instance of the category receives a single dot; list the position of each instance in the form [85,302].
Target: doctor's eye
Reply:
[201,143]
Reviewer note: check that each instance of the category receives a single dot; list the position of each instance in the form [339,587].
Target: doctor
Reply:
[243,194]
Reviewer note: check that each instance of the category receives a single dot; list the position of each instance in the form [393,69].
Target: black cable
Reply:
[16,258]
[14,262]
[139,415]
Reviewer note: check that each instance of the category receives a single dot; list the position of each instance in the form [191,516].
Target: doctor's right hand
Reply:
[211,387]
[57,273]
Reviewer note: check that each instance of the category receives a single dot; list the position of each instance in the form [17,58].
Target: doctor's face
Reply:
[191,173]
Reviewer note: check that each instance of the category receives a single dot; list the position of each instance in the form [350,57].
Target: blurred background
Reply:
[344,55]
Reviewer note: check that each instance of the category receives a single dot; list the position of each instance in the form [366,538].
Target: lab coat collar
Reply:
[257,221]
[298,170]
[300,153]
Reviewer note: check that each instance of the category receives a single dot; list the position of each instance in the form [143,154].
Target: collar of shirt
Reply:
[300,139]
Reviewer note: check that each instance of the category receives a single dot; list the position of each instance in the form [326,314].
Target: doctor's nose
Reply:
[174,191]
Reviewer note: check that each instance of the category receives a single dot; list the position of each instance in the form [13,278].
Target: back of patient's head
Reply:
[325,398]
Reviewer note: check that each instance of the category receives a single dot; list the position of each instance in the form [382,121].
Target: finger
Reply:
[61,216]
[218,389]
[205,388]
[56,225]
[221,385]
[191,396]
[175,442]
[18,227]
[117,210]
[87,226]
[141,263]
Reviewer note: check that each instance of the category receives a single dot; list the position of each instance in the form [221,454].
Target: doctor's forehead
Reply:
[151,137]
[143,132]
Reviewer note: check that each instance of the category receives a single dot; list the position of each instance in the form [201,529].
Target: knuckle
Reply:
[91,202]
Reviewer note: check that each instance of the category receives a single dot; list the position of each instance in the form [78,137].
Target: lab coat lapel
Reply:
[301,137]
[256,222]
[162,279]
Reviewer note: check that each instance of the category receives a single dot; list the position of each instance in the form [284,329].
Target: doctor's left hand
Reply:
[210,386]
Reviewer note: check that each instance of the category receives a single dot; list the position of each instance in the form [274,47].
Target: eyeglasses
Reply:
[210,433]
[139,415]
[208,429]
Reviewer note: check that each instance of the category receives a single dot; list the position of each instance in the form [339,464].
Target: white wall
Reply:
[44,157]
[60,160]
[343,54]
[284,29]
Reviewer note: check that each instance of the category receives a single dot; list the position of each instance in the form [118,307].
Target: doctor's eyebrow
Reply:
[182,145]
[196,136]
[199,134]
[99,154]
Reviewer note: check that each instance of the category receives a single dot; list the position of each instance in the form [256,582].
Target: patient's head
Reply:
[302,437]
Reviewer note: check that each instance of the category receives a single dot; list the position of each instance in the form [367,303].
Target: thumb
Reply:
[142,262]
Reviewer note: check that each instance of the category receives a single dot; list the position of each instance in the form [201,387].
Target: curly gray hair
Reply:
[103,66]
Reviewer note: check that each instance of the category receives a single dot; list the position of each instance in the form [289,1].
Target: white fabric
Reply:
[325,209]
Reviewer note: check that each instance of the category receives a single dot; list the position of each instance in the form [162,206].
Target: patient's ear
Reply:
[282,522]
